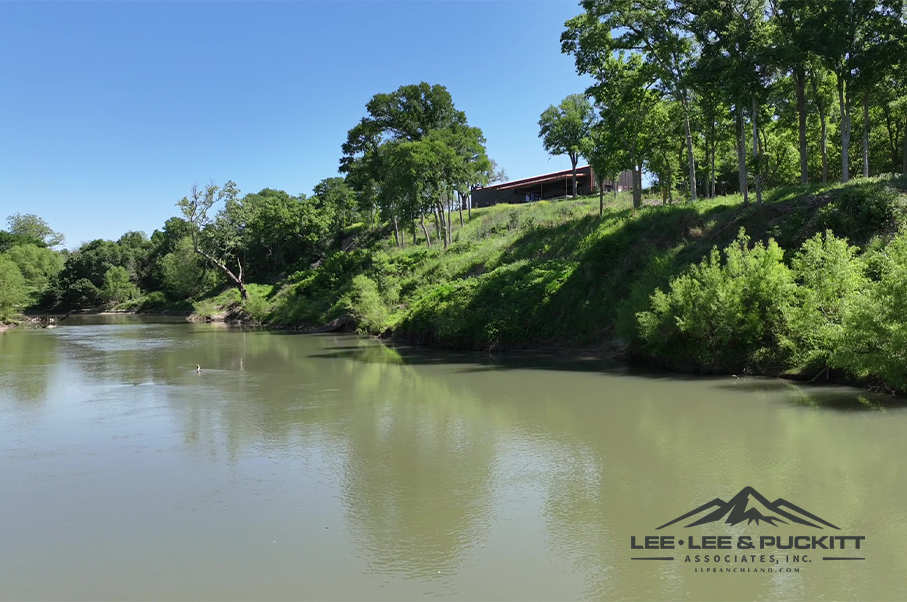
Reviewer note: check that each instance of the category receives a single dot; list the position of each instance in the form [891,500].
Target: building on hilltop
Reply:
[557,185]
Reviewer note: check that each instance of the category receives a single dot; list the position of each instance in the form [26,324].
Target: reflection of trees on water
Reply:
[27,362]
[424,446]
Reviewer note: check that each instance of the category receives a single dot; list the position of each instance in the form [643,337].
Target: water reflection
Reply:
[420,473]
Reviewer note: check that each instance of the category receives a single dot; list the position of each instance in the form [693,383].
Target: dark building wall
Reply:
[550,186]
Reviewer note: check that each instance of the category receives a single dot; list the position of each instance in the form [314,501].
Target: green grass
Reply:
[227,305]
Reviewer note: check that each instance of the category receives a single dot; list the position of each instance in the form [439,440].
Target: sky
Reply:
[109,112]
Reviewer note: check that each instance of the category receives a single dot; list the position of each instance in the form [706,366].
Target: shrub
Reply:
[861,210]
[828,273]
[722,316]
[257,309]
[874,345]
[366,305]
[83,294]
[117,286]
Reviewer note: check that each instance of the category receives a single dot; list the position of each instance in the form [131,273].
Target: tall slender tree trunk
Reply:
[469,206]
[757,167]
[637,189]
[412,224]
[601,197]
[462,202]
[823,143]
[690,157]
[866,134]
[741,154]
[445,230]
[714,150]
[573,160]
[800,80]
[425,230]
[904,156]
[845,130]
[434,210]
[396,231]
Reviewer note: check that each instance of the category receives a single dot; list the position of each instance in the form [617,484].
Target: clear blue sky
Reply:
[110,111]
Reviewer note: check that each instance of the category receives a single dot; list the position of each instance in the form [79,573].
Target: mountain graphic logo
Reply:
[751,506]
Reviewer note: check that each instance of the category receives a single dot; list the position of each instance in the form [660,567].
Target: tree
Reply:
[606,155]
[184,272]
[13,291]
[117,286]
[39,266]
[336,197]
[32,227]
[565,128]
[215,238]
[656,31]
[386,162]
[373,149]
[623,91]
[853,39]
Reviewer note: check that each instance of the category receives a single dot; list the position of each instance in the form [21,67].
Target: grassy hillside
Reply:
[555,273]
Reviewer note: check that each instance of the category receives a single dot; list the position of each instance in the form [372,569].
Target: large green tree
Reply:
[564,129]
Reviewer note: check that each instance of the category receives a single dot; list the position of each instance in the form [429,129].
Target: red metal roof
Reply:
[550,177]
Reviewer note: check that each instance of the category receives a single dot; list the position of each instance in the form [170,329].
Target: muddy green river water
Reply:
[334,467]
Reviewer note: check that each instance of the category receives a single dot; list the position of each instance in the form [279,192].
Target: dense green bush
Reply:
[828,274]
[118,287]
[723,315]
[861,210]
[874,345]
[367,306]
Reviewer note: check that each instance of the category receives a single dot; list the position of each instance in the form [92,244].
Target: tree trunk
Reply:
[741,155]
[412,224]
[824,144]
[845,131]
[637,192]
[601,198]
[444,229]
[690,157]
[573,161]
[820,104]
[469,206]
[866,134]
[236,278]
[462,202]
[800,80]
[396,231]
[757,167]
[714,150]
[904,156]
[425,230]
[434,210]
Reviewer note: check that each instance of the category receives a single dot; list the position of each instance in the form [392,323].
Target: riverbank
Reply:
[788,299]
[555,275]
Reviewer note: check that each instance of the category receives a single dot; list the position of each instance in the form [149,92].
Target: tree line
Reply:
[721,96]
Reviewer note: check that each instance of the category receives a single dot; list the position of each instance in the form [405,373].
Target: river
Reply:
[335,467]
